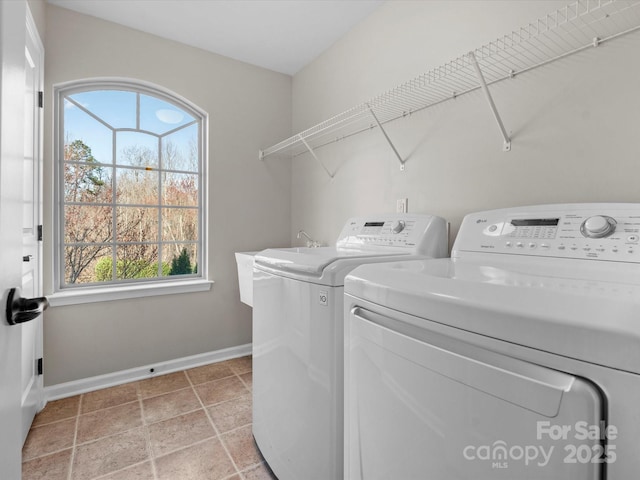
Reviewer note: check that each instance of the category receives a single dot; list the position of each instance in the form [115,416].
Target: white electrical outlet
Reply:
[402,205]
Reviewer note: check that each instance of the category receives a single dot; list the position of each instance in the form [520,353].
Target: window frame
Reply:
[64,294]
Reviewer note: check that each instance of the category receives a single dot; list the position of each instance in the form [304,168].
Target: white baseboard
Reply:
[76,387]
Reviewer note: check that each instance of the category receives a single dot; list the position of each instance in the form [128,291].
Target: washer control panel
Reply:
[586,231]
[397,231]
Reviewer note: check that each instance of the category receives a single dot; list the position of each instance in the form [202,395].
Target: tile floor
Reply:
[187,425]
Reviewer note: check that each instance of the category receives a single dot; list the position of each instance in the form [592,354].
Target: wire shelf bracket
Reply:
[483,83]
[574,28]
[384,132]
[262,154]
[331,175]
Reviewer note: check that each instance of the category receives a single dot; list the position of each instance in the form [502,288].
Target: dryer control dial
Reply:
[598,226]
[398,226]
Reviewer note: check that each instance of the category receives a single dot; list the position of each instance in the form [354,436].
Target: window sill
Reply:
[106,294]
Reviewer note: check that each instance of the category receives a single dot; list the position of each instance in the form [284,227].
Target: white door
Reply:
[12,35]
[32,393]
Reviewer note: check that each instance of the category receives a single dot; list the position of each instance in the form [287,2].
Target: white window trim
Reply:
[107,292]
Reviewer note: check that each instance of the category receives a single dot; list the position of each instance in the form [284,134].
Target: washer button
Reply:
[493,228]
[323,298]
[632,238]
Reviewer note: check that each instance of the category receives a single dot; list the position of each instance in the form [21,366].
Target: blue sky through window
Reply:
[115,107]
[159,116]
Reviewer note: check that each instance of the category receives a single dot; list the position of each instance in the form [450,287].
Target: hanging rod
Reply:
[576,27]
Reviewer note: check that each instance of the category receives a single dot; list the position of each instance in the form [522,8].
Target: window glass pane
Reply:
[180,189]
[93,141]
[87,224]
[87,183]
[138,187]
[103,269]
[159,116]
[181,258]
[81,262]
[137,224]
[179,224]
[137,149]
[139,218]
[115,107]
[180,150]
[137,261]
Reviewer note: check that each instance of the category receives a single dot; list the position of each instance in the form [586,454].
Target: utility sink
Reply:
[245,276]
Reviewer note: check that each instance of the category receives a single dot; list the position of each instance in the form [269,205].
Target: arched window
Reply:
[130,185]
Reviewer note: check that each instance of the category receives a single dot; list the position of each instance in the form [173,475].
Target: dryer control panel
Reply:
[604,231]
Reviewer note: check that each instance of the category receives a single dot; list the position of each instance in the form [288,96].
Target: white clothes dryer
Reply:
[298,338]
[516,359]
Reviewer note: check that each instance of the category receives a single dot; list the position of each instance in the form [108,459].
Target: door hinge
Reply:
[39,233]
[39,366]
[41,99]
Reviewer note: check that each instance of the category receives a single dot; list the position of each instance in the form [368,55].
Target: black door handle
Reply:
[20,310]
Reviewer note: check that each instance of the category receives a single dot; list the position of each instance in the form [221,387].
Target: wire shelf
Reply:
[578,26]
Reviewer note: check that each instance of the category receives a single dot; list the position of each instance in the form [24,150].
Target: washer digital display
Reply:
[536,222]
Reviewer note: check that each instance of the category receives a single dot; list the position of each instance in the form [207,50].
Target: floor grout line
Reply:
[215,428]
[75,438]
[119,470]
[147,434]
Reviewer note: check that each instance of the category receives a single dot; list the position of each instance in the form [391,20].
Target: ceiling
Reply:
[281,35]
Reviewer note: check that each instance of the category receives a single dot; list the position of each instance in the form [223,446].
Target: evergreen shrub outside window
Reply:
[130,185]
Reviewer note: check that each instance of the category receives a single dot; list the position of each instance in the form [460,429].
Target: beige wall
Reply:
[574,123]
[249,207]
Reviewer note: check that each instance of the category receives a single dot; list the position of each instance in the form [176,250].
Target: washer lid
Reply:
[309,261]
[591,315]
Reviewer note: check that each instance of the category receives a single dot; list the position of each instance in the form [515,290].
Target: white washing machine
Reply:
[516,359]
[298,338]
